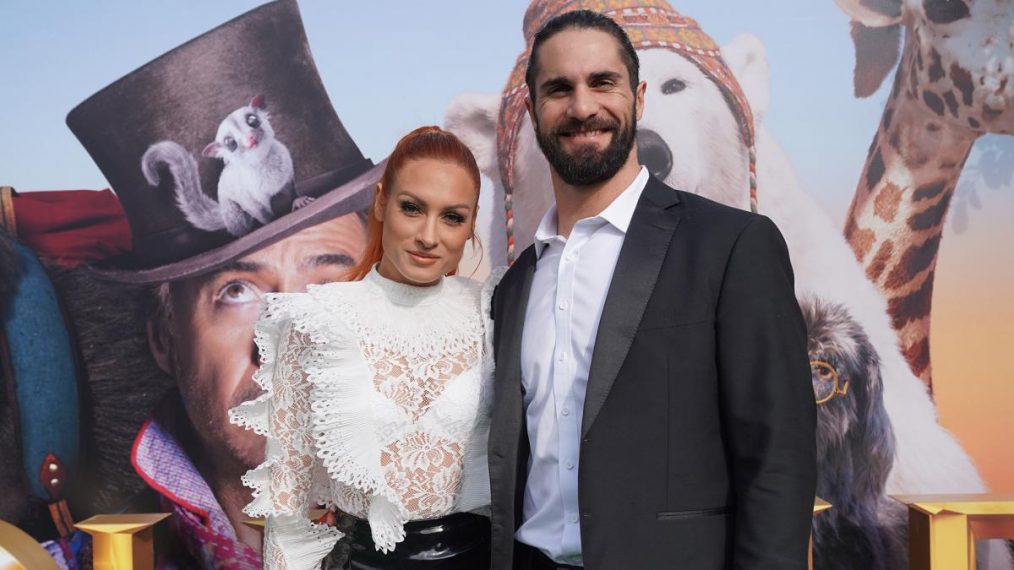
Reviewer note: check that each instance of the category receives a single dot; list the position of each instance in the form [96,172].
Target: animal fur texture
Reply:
[257,168]
[121,381]
[855,447]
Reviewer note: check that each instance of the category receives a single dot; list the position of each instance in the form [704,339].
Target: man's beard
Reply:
[587,166]
[218,440]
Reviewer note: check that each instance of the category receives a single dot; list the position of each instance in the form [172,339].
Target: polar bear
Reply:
[710,159]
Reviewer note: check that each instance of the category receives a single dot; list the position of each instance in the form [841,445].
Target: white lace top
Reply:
[376,402]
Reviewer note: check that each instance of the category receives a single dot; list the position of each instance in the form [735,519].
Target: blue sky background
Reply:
[392,65]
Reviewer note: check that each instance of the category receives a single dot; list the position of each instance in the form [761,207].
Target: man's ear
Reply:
[161,346]
[642,88]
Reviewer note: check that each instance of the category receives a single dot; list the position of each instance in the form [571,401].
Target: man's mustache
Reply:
[577,125]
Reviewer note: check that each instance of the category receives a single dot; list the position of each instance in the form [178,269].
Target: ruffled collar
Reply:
[402,294]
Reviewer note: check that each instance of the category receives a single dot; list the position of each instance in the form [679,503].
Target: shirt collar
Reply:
[618,213]
[161,461]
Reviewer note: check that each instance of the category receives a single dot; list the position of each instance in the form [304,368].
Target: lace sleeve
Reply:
[282,484]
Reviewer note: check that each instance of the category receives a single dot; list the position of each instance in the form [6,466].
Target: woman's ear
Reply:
[379,202]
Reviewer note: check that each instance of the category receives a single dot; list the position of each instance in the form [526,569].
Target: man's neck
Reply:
[232,496]
[575,203]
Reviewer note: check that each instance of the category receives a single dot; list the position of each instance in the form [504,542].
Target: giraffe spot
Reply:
[896,87]
[945,11]
[918,356]
[973,123]
[913,306]
[918,60]
[952,103]
[932,127]
[879,263]
[990,113]
[915,259]
[888,116]
[885,205]
[875,171]
[929,191]
[963,81]
[948,165]
[931,217]
[861,242]
[934,102]
[936,69]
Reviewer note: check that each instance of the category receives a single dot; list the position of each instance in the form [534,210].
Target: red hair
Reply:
[424,142]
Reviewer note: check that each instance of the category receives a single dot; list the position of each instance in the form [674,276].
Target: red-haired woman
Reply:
[376,395]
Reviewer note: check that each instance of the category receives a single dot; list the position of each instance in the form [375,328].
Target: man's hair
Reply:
[582,20]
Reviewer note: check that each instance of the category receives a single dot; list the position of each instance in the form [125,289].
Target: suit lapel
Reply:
[644,248]
[511,302]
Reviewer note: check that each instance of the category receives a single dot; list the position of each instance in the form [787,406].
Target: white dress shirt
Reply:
[572,276]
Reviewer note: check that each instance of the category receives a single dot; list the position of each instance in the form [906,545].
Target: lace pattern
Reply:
[376,402]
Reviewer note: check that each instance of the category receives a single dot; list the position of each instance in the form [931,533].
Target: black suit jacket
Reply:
[698,436]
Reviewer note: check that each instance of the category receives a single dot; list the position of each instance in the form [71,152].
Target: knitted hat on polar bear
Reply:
[649,24]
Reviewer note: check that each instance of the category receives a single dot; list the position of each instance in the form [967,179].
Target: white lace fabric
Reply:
[376,402]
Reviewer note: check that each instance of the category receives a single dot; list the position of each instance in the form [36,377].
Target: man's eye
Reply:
[238,292]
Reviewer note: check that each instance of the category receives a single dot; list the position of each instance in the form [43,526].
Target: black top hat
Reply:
[222,146]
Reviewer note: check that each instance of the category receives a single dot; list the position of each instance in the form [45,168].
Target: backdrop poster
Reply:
[877,138]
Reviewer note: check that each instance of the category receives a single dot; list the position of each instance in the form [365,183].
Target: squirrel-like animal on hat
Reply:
[257,168]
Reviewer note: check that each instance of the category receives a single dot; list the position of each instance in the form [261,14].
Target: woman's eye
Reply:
[456,219]
[409,208]
[238,292]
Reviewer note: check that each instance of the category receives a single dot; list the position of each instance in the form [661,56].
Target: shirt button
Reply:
[563,305]
[570,256]
[572,519]
[570,465]
[563,357]
[565,411]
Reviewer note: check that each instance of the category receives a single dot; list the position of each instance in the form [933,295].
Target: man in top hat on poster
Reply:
[652,401]
[238,179]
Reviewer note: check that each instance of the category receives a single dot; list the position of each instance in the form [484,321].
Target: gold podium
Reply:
[122,542]
[942,529]
[819,506]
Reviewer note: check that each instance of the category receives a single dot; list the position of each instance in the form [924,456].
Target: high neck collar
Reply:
[403,294]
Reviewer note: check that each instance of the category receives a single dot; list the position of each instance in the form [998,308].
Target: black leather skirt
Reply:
[456,542]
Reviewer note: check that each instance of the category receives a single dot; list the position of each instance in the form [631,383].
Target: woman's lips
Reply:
[423,258]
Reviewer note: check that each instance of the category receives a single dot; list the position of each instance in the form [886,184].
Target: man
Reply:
[238,181]
[653,406]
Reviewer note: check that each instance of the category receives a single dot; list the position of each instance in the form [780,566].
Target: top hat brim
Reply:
[349,197]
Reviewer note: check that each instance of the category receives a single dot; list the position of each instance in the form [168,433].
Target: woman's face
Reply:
[428,215]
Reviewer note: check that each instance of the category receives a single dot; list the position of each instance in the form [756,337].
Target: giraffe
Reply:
[954,84]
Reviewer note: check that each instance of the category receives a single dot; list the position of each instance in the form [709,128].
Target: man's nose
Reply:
[583,103]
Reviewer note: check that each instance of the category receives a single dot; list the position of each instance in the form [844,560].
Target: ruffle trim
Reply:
[340,414]
[300,542]
[433,330]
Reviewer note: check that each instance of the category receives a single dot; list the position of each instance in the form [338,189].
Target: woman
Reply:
[377,390]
